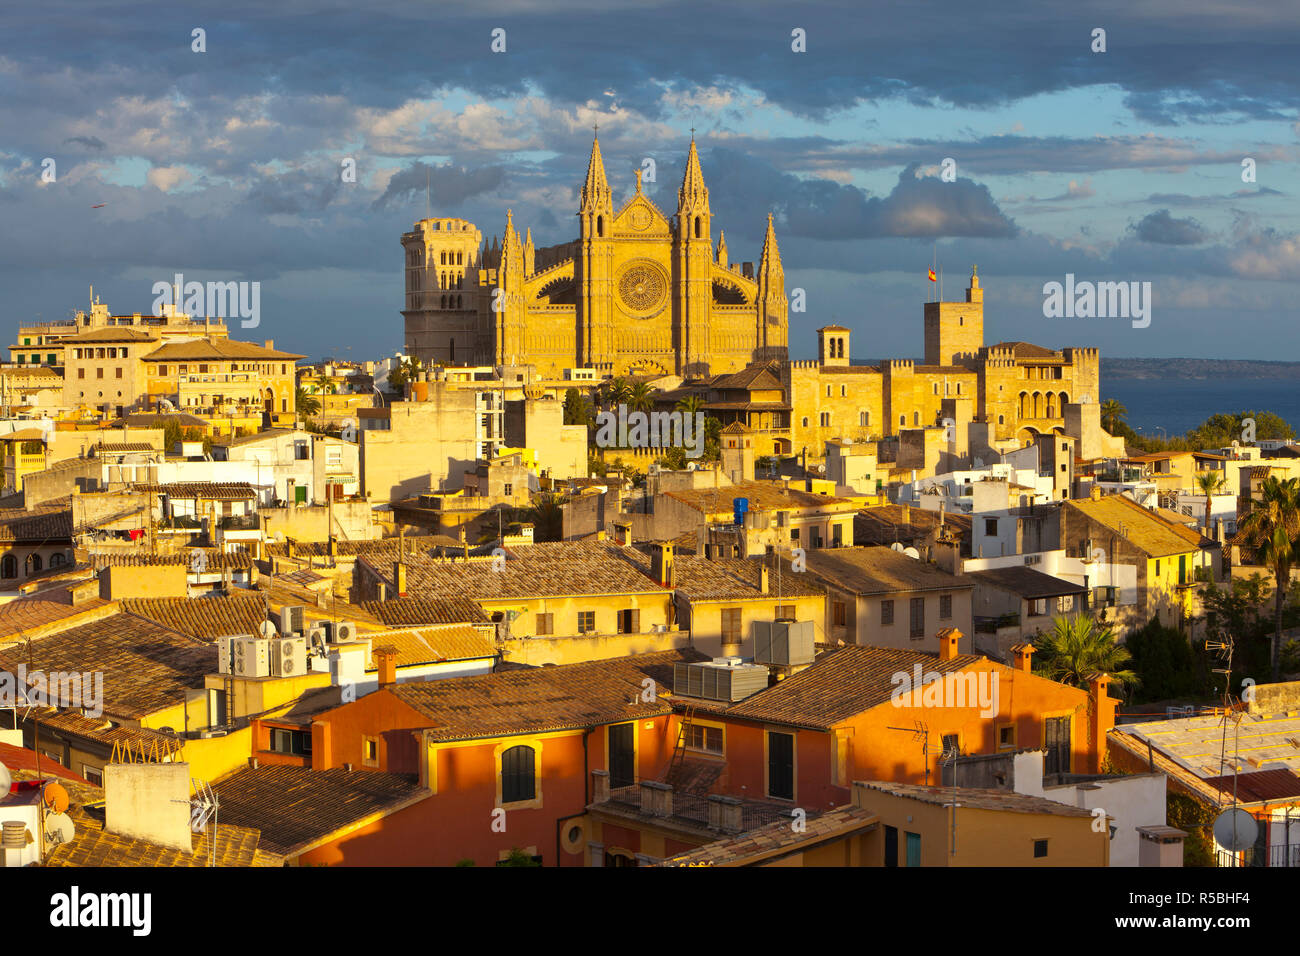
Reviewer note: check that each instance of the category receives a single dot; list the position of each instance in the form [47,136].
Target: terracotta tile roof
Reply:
[206,618]
[724,579]
[1027,350]
[885,524]
[543,699]
[840,684]
[552,569]
[41,524]
[1143,529]
[121,447]
[779,839]
[208,490]
[101,730]
[879,570]
[755,376]
[1026,582]
[51,611]
[387,547]
[20,758]
[762,495]
[296,807]
[218,349]
[215,560]
[146,667]
[159,420]
[429,645]
[108,334]
[1278,784]
[414,611]
[93,846]
[977,799]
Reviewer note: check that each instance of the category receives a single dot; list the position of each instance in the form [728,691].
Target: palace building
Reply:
[637,292]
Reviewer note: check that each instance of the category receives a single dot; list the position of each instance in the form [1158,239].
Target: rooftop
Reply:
[879,570]
[1142,528]
[415,611]
[1026,582]
[976,799]
[762,496]
[219,349]
[205,618]
[435,644]
[778,839]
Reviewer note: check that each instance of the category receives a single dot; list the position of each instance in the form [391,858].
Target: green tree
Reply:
[325,384]
[1197,820]
[1272,531]
[641,397]
[712,438]
[306,403]
[690,404]
[518,857]
[1112,413]
[1077,648]
[674,458]
[578,409]
[172,433]
[1209,483]
[547,518]
[1165,663]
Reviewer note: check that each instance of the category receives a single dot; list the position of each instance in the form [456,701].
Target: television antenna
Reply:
[950,757]
[920,732]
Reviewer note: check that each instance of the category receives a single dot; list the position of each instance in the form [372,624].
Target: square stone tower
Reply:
[954,331]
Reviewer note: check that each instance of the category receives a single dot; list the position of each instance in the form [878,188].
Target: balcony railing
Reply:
[1271,856]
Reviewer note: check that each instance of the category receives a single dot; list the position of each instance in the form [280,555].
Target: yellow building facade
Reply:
[638,291]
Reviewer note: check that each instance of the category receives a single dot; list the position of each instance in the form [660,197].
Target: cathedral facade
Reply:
[636,292]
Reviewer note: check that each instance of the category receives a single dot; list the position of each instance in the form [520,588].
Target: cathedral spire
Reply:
[530,252]
[693,196]
[595,191]
[770,272]
[722,249]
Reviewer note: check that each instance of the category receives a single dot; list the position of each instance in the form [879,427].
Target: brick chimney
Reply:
[1020,657]
[386,660]
[399,578]
[1102,718]
[661,565]
[949,641]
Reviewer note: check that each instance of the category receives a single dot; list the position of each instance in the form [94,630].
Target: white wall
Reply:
[1131,801]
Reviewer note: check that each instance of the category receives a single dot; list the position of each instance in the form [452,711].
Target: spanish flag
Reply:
[933,277]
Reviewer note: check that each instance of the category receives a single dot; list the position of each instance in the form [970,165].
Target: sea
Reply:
[1174,406]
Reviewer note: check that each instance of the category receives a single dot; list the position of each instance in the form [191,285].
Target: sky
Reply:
[1122,165]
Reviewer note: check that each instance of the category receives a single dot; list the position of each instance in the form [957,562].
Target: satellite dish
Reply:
[912,553]
[56,797]
[6,780]
[1235,830]
[59,828]
[897,546]
[267,629]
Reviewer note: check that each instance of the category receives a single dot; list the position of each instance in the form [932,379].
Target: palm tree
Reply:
[690,404]
[1112,413]
[324,384]
[1272,529]
[547,518]
[1078,647]
[640,397]
[306,403]
[1209,482]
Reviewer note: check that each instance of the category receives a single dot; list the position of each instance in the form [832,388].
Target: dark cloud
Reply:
[1162,228]
[90,142]
[297,192]
[448,186]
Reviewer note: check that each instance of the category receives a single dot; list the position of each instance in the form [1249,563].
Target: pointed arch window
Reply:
[697,227]
[9,567]
[600,225]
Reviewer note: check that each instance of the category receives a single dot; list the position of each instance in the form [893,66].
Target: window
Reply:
[56,560]
[50,359]
[951,744]
[586,621]
[945,607]
[1157,569]
[99,372]
[81,373]
[518,781]
[844,391]
[839,613]
[1037,607]
[864,419]
[9,567]
[629,621]
[780,765]
[622,755]
[785,612]
[94,775]
[886,613]
[891,846]
[117,372]
[794,534]
[162,369]
[1040,849]
[545,624]
[918,617]
[991,527]
[704,738]
[902,420]
[805,423]
[370,751]
[731,625]
[1007,737]
[295,742]
[1065,603]
[1056,740]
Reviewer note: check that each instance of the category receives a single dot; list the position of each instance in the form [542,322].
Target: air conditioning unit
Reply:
[226,651]
[292,619]
[341,632]
[719,681]
[288,657]
[784,643]
[252,657]
[316,639]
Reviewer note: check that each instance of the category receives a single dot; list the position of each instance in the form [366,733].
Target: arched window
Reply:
[1000,422]
[33,564]
[697,227]
[9,567]
[600,225]
[902,421]
[517,775]
[916,418]
[56,560]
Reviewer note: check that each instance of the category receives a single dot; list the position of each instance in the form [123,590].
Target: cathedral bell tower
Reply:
[594,270]
[693,261]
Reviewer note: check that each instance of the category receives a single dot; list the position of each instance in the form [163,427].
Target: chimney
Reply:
[600,786]
[906,514]
[270,343]
[763,578]
[724,813]
[386,660]
[949,639]
[1020,657]
[661,565]
[656,798]
[1102,717]
[1095,492]
[399,578]
[623,533]
[941,512]
[334,546]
